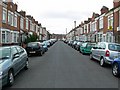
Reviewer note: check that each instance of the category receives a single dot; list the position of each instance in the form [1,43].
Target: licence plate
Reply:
[32,52]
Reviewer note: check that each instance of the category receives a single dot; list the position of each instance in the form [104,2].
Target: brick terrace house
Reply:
[16,26]
[10,26]
[103,27]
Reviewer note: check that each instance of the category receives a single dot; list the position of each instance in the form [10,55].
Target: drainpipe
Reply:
[113,28]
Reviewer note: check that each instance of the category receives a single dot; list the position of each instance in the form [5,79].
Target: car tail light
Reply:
[107,54]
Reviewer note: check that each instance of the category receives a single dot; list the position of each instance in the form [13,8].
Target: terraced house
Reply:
[16,26]
[100,27]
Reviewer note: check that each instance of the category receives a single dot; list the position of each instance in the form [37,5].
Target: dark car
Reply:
[33,48]
[77,46]
[116,67]
[12,60]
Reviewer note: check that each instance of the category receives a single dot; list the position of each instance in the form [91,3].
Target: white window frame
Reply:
[101,22]
[110,20]
[4,15]
[31,25]
[27,23]
[7,38]
[9,17]
[15,20]
[22,23]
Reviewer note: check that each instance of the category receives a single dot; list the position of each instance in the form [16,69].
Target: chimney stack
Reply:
[104,9]
[116,3]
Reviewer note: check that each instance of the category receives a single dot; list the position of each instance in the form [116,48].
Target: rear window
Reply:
[114,47]
[91,45]
[32,44]
[84,44]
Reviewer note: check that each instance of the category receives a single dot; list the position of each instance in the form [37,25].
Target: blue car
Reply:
[12,60]
[116,67]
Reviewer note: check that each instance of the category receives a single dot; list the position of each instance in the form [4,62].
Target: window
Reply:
[30,25]
[22,23]
[114,47]
[103,46]
[3,36]
[15,21]
[101,37]
[20,50]
[14,51]
[8,36]
[93,27]
[10,18]
[110,22]
[4,17]
[101,23]
[15,36]
[27,24]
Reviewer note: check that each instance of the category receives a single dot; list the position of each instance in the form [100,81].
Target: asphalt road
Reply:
[64,67]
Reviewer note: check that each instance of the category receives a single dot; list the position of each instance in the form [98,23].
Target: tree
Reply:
[31,38]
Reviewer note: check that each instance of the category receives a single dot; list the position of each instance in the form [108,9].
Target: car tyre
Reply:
[102,62]
[115,70]
[26,65]
[41,53]
[10,78]
[91,57]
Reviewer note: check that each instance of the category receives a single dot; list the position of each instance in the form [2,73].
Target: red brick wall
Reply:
[105,25]
[116,20]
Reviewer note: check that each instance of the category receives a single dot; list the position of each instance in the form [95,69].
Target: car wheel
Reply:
[115,70]
[10,78]
[91,57]
[102,62]
[26,65]
[41,53]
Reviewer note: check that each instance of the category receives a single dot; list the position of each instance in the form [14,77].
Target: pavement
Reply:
[63,67]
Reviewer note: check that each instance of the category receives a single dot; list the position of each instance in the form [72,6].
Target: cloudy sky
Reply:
[57,15]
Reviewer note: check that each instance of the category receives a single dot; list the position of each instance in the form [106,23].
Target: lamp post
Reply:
[74,30]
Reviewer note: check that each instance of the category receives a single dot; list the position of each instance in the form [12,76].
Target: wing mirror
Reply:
[15,55]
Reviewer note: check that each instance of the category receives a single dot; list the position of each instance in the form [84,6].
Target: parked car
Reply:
[35,48]
[12,60]
[116,67]
[45,46]
[105,52]
[78,45]
[74,43]
[86,47]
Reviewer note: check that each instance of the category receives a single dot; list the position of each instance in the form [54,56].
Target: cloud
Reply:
[57,15]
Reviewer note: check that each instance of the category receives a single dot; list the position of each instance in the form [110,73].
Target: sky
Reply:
[58,16]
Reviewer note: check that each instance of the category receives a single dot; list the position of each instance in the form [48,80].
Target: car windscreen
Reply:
[114,47]
[5,53]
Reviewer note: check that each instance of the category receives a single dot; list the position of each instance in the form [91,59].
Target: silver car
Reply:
[12,60]
[105,52]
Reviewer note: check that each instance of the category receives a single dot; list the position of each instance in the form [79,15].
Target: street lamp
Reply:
[74,30]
